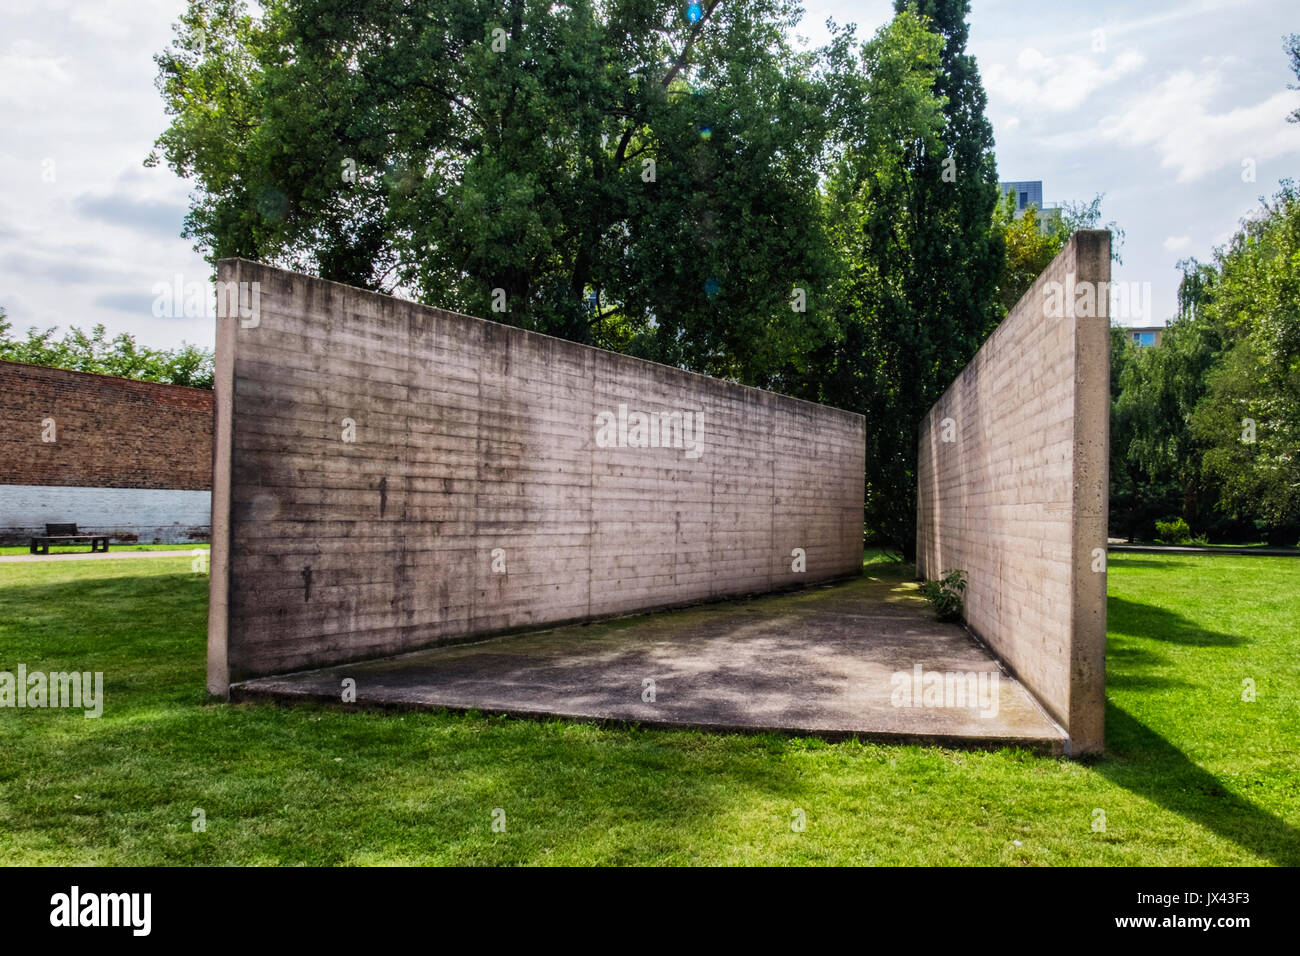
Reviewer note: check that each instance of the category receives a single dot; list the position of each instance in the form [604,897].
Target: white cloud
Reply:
[1056,83]
[30,72]
[1175,243]
[1173,120]
[100,22]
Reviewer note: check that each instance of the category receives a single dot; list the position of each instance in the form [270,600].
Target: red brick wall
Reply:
[110,432]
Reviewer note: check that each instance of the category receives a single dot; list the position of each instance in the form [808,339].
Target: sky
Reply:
[1165,108]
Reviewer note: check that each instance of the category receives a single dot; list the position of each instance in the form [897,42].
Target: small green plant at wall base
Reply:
[1173,532]
[945,595]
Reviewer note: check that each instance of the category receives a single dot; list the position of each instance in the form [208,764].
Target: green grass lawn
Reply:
[1194,775]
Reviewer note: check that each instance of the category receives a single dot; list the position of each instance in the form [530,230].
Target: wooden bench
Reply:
[67,534]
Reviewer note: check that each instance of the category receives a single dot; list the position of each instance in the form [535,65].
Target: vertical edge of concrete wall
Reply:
[219,560]
[1087,710]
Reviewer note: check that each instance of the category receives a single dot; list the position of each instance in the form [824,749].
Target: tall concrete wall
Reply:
[389,476]
[1012,487]
[129,459]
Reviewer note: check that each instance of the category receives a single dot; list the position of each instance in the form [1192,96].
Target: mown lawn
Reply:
[1194,774]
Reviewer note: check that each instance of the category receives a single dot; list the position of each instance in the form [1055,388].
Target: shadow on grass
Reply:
[275,777]
[1131,657]
[1123,560]
[1124,660]
[1148,765]
[1131,619]
[1145,682]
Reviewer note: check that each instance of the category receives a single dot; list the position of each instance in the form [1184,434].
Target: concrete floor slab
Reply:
[820,662]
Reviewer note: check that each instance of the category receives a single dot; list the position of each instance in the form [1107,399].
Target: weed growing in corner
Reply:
[945,595]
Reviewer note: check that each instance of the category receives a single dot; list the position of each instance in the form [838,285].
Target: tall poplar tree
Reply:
[913,196]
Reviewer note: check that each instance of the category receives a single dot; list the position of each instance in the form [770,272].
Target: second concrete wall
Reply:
[1012,487]
[390,476]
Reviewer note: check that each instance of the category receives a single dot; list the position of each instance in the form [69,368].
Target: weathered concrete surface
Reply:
[1012,487]
[817,662]
[389,477]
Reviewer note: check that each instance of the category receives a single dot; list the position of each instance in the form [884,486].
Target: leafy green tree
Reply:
[910,200]
[672,181]
[1029,248]
[1207,425]
[1195,288]
[1160,389]
[957,256]
[885,362]
[633,174]
[1155,459]
[1127,481]
[120,356]
[1250,417]
[1073,216]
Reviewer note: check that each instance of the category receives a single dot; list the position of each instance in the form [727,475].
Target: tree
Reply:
[1250,417]
[1127,485]
[1160,389]
[887,359]
[1074,216]
[120,356]
[632,174]
[1195,288]
[911,199]
[1029,248]
[957,255]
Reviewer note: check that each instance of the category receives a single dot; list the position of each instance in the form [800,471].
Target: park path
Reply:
[1193,549]
[99,556]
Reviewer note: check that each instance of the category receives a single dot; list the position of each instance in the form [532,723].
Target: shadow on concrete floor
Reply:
[819,662]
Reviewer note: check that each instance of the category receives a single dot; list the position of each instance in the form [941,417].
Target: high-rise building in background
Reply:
[1029,192]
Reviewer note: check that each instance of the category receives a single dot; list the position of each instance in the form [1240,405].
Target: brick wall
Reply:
[109,432]
[470,436]
[1018,497]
